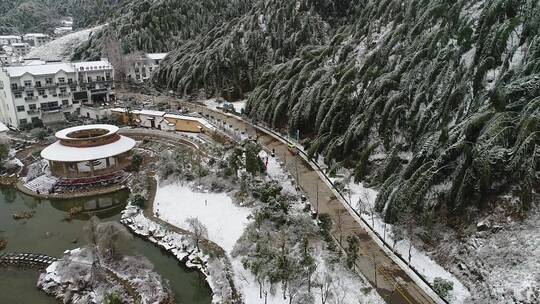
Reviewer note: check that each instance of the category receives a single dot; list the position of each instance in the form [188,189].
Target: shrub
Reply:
[442,287]
[139,201]
[136,161]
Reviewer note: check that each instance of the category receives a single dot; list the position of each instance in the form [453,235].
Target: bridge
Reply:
[26,260]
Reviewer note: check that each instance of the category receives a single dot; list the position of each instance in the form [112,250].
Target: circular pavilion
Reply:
[88,151]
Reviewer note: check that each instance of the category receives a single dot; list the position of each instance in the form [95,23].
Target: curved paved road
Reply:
[393,284]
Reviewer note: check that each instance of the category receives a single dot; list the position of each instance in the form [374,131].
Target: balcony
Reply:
[28,88]
[64,94]
[50,109]
[31,112]
[17,89]
[94,81]
[31,98]
[48,86]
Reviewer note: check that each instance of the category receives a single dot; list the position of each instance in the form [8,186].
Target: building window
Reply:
[18,95]
[30,94]
[32,107]
[35,120]
[23,121]
[70,80]
[48,80]
[63,90]
[65,102]
[61,79]
[107,76]
[89,78]
[41,92]
[38,84]
[20,108]
[27,83]
[75,101]
[14,86]
[49,105]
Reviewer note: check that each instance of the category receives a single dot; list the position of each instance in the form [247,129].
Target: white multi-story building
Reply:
[143,66]
[36,39]
[9,39]
[20,49]
[47,92]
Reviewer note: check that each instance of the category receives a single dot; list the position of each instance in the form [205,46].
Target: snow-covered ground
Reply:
[60,49]
[175,202]
[419,259]
[225,221]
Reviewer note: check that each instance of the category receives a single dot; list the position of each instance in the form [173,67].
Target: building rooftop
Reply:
[61,152]
[35,35]
[39,69]
[65,133]
[200,120]
[3,127]
[156,56]
[10,37]
[20,44]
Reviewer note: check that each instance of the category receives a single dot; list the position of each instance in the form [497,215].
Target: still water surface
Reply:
[47,233]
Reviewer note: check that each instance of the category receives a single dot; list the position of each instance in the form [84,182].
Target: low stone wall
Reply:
[21,187]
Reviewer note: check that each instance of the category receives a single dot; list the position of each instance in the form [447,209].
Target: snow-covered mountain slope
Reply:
[62,47]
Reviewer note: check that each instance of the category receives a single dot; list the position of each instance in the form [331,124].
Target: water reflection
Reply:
[101,206]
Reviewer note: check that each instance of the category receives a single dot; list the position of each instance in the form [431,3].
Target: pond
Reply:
[48,233]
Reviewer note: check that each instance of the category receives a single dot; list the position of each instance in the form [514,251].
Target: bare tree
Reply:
[121,62]
[340,291]
[113,239]
[198,231]
[340,222]
[325,288]
[91,231]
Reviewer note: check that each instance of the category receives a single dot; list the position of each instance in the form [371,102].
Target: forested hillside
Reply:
[434,102]
[230,59]
[160,25]
[22,16]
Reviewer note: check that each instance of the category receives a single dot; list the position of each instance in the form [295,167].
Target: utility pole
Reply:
[199,162]
[317,196]
[296,169]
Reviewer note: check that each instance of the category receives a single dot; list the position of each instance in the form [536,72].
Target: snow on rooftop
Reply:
[59,152]
[156,56]
[63,134]
[3,127]
[35,35]
[200,120]
[10,37]
[39,69]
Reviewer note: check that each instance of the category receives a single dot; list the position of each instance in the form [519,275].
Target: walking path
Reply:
[23,260]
